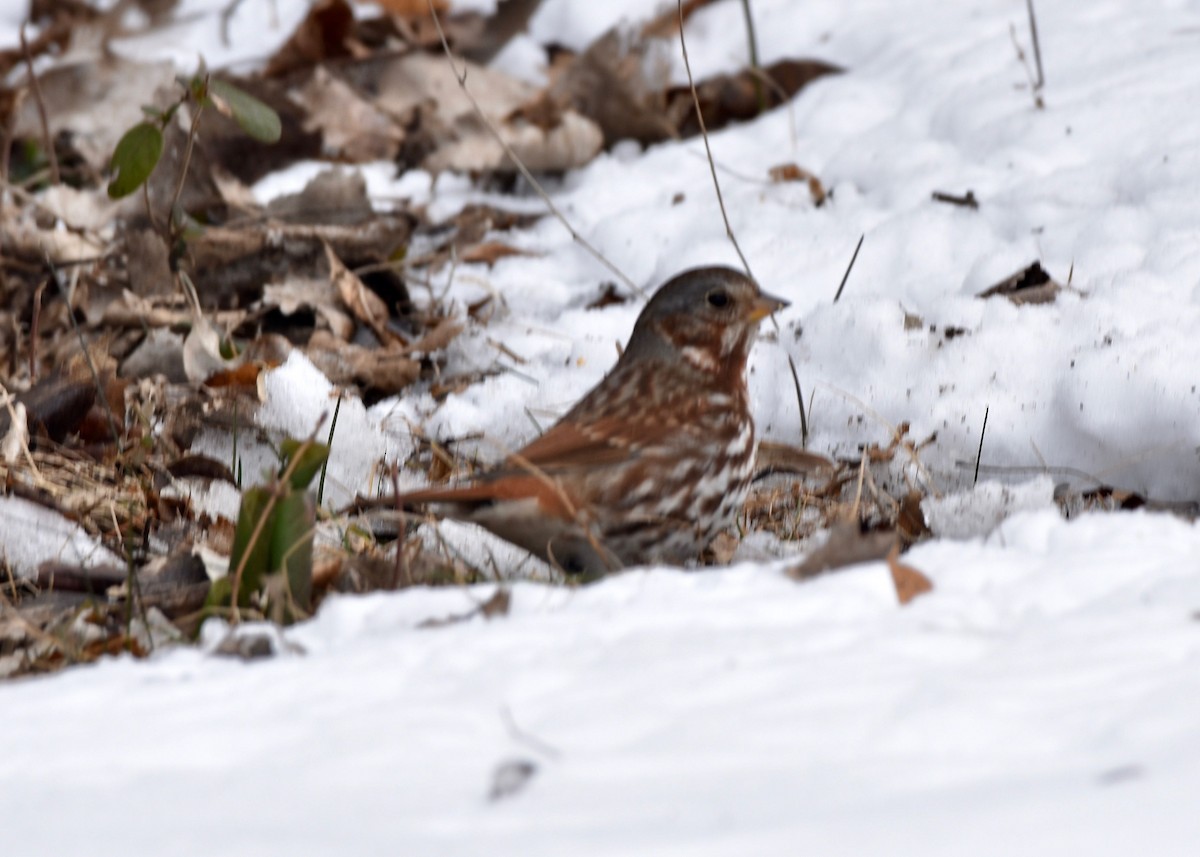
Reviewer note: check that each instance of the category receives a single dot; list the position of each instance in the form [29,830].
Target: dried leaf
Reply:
[202,356]
[489,252]
[322,35]
[243,377]
[16,439]
[510,778]
[363,303]
[352,128]
[1030,285]
[442,335]
[54,406]
[910,520]
[795,173]
[383,370]
[908,581]
[847,545]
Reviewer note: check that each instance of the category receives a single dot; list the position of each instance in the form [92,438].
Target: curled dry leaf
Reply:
[202,356]
[382,370]
[439,337]
[314,293]
[364,304]
[422,87]
[795,173]
[16,440]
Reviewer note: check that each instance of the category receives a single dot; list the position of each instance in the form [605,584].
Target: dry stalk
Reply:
[461,77]
[707,147]
[51,155]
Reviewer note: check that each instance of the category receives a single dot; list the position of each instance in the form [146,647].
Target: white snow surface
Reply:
[31,534]
[1043,699]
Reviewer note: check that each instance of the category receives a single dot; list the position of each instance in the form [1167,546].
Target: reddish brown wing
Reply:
[533,470]
[598,444]
[507,485]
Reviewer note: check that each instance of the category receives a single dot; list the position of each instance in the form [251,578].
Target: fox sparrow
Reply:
[652,463]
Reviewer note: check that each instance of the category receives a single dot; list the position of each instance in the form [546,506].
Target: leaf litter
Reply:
[184,291]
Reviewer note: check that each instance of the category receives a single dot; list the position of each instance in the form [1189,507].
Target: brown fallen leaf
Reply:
[383,370]
[744,95]
[322,35]
[908,581]
[489,252]
[910,521]
[795,173]
[847,545]
[1030,285]
[363,303]
[243,377]
[352,128]
[442,334]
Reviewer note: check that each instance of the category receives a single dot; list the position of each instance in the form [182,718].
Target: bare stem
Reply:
[849,267]
[707,148]
[461,77]
[55,175]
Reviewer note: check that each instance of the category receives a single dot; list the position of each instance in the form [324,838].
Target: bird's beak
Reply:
[764,305]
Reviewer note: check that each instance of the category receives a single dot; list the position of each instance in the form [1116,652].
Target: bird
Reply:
[654,461]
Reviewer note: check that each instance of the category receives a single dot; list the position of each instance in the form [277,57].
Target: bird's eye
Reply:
[718,298]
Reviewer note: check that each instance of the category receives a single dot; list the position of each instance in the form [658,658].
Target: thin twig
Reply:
[966,200]
[708,148]
[461,77]
[193,129]
[979,454]
[849,267]
[1037,49]
[35,324]
[1038,102]
[5,152]
[754,64]
[400,571]
[55,176]
[526,738]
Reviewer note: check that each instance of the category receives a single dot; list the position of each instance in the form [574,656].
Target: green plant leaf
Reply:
[292,547]
[134,159]
[256,119]
[257,563]
[312,456]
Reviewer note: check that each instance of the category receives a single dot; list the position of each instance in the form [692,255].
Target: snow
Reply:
[1046,694]
[1043,698]
[31,535]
